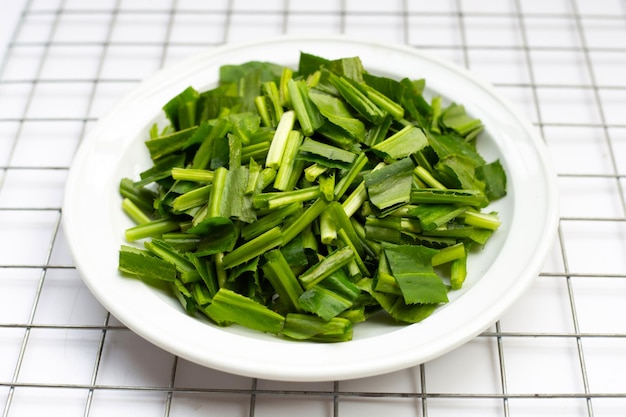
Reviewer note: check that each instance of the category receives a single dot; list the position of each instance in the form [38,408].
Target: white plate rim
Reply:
[266,356]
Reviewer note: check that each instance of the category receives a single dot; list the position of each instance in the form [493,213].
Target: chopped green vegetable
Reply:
[403,143]
[152,228]
[411,266]
[283,279]
[325,267]
[326,155]
[228,306]
[299,202]
[390,186]
[143,264]
[307,327]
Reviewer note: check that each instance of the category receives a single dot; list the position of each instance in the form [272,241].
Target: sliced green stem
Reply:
[357,99]
[327,186]
[134,212]
[193,198]
[327,266]
[435,196]
[188,272]
[355,169]
[310,327]
[355,200]
[279,141]
[328,228]
[343,222]
[458,272]
[449,254]
[304,220]
[428,178]
[313,171]
[307,113]
[230,307]
[253,248]
[153,228]
[140,196]
[194,175]
[384,102]
[270,89]
[278,199]
[256,151]
[343,235]
[287,163]
[483,220]
[219,183]
[269,221]
[282,278]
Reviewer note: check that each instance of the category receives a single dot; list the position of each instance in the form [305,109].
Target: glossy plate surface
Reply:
[94,223]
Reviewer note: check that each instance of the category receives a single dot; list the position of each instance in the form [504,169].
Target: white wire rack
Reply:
[561,349]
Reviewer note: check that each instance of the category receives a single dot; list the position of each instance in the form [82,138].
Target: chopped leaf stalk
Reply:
[166,145]
[270,89]
[134,212]
[355,200]
[343,222]
[164,251]
[262,105]
[269,221]
[351,242]
[274,200]
[282,278]
[203,156]
[228,306]
[346,181]
[253,248]
[307,113]
[153,228]
[328,228]
[286,75]
[449,254]
[483,220]
[329,155]
[326,267]
[142,264]
[384,102]
[193,198]
[350,91]
[458,272]
[140,196]
[309,327]
[287,163]
[304,220]
[279,141]
[423,174]
[435,196]
[255,151]
[195,175]
[312,172]
[217,192]
[327,186]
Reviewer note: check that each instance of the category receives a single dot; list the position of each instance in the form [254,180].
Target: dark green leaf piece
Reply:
[412,268]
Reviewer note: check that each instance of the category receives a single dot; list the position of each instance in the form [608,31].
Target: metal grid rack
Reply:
[561,349]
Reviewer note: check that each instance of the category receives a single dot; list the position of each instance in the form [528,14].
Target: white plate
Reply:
[508,265]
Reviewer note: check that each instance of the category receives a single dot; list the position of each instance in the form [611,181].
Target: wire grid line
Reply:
[539,116]
[42,275]
[336,395]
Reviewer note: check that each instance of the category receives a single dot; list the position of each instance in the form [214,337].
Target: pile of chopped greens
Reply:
[301,202]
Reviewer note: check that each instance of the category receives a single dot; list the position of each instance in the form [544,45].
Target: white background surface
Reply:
[560,350]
